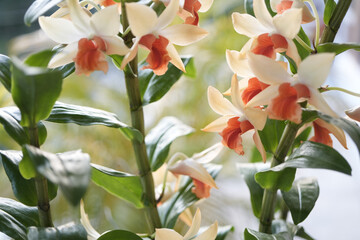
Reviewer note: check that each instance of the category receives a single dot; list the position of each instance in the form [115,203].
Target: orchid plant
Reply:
[276,93]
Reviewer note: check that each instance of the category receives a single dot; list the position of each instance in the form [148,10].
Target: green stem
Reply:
[137,119]
[343,90]
[335,21]
[41,186]
[317,19]
[304,44]
[270,195]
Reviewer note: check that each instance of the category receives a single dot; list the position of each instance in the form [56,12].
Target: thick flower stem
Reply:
[41,187]
[270,195]
[335,21]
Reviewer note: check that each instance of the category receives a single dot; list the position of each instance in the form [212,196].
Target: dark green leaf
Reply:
[24,189]
[301,198]
[303,52]
[271,134]
[70,170]
[13,128]
[248,171]
[184,198]
[38,8]
[5,73]
[12,227]
[122,185]
[159,139]
[329,9]
[302,137]
[278,226]
[119,235]
[223,231]
[249,7]
[154,87]
[70,231]
[34,91]
[337,48]
[86,116]
[270,179]
[254,235]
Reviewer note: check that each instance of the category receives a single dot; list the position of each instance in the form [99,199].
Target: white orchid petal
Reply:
[314,70]
[267,70]
[247,25]
[219,104]
[106,22]
[247,46]
[142,19]
[166,234]
[183,34]
[205,5]
[288,23]
[131,54]
[60,30]
[259,145]
[256,117]
[208,154]
[168,15]
[175,58]
[238,63]
[195,226]
[64,57]
[273,4]
[115,45]
[235,94]
[264,97]
[209,234]
[79,17]
[318,101]
[262,14]
[337,132]
[218,125]
[292,52]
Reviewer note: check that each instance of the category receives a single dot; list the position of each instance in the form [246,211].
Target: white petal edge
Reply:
[142,19]
[235,94]
[168,15]
[183,34]
[106,22]
[209,234]
[64,57]
[318,101]
[175,58]
[218,125]
[257,117]
[208,154]
[219,104]
[248,25]
[166,234]
[195,225]
[262,14]
[115,45]
[205,5]
[238,63]
[288,23]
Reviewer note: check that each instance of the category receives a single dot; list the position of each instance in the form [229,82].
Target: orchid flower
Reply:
[285,90]
[322,132]
[170,234]
[354,113]
[279,6]
[190,8]
[193,168]
[88,38]
[153,33]
[236,119]
[270,34]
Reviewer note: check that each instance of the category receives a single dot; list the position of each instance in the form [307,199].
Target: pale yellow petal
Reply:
[167,234]
[247,25]
[219,104]
[235,94]
[208,154]
[262,14]
[106,22]
[142,19]
[288,23]
[205,5]
[259,145]
[168,15]
[256,116]
[218,125]
[195,226]
[183,34]
[209,234]
[64,57]
[273,4]
[115,45]
[238,63]
[175,58]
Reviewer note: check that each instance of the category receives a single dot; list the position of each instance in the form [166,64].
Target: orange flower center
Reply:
[232,134]
[200,189]
[285,106]
[158,57]
[192,6]
[322,135]
[269,45]
[90,56]
[254,87]
[107,3]
[284,5]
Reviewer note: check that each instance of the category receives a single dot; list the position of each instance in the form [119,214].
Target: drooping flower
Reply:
[268,34]
[279,6]
[322,131]
[286,91]
[236,119]
[354,113]
[152,32]
[170,234]
[88,38]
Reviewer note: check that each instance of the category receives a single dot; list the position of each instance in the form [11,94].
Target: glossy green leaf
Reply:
[278,226]
[122,185]
[87,116]
[13,128]
[254,235]
[5,73]
[328,11]
[12,227]
[117,60]
[301,198]
[270,179]
[184,198]
[271,134]
[70,231]
[70,170]
[190,69]
[302,137]
[248,171]
[32,92]
[154,87]
[303,52]
[24,189]
[38,8]
[337,48]
[159,139]
[223,231]
[119,235]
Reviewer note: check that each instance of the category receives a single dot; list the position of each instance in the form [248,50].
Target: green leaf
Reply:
[154,87]
[248,171]
[278,226]
[70,170]
[119,235]
[159,139]
[190,69]
[303,52]
[254,235]
[117,60]
[5,73]
[68,231]
[271,179]
[24,189]
[32,93]
[122,185]
[12,227]
[271,134]
[86,116]
[301,198]
[13,128]
[302,137]
[249,7]
[337,48]
[328,11]
[223,231]
[38,8]
[184,198]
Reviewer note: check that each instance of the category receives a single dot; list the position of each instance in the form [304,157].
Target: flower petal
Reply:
[288,23]
[175,58]
[208,154]
[273,4]
[166,234]
[183,34]
[314,70]
[142,19]
[131,54]
[318,101]
[259,145]
[64,57]
[168,15]
[238,63]
[79,17]
[256,116]
[292,52]
[195,226]
[115,45]
[354,113]
[219,104]
[218,125]
[209,234]
[337,132]
[106,22]
[60,30]
[247,25]
[235,94]
[264,97]
[262,14]
[267,70]
[205,5]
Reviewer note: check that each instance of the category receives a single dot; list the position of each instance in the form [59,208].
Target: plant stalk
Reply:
[270,195]
[41,186]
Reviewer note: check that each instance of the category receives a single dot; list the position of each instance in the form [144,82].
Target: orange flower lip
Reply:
[192,6]
[268,45]
[254,87]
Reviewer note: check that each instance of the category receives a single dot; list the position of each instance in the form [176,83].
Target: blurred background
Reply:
[337,211]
